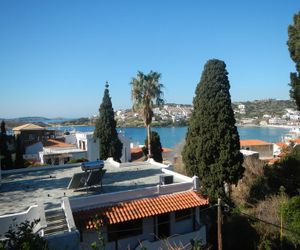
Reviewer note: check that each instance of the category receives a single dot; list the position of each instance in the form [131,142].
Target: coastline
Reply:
[238,125]
[267,126]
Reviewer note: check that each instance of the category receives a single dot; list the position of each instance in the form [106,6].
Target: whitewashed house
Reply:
[86,141]
[143,204]
[56,152]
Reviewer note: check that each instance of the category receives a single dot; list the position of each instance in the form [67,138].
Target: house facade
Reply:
[56,152]
[31,133]
[144,204]
[264,149]
[86,141]
[144,222]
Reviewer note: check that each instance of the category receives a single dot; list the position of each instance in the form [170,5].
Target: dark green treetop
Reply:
[291,217]
[294,48]
[212,149]
[155,147]
[105,130]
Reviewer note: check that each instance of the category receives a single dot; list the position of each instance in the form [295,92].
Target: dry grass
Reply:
[253,170]
[178,163]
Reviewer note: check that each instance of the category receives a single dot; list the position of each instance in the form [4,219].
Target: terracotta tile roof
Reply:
[296,140]
[253,143]
[28,126]
[141,208]
[281,144]
[136,150]
[139,150]
[167,150]
[51,143]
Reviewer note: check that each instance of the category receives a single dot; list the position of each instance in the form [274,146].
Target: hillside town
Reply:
[269,112]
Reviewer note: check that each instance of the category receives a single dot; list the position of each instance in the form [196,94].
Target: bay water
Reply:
[171,136]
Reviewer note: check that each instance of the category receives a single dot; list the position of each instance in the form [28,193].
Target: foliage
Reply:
[6,161]
[294,48]
[100,243]
[82,159]
[212,149]
[105,129]
[291,217]
[232,225]
[285,173]
[21,237]
[254,170]
[177,161]
[258,190]
[155,146]
[146,91]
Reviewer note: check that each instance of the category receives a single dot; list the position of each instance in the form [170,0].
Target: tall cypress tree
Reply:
[294,48]
[212,149]
[6,161]
[105,130]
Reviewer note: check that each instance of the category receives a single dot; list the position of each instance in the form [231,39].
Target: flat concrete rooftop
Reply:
[18,191]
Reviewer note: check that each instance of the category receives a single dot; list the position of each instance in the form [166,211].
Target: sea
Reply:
[172,136]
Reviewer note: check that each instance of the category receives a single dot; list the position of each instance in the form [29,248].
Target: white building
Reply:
[86,141]
[138,205]
[276,121]
[56,152]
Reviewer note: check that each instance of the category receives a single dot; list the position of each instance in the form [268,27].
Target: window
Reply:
[125,229]
[184,214]
[83,145]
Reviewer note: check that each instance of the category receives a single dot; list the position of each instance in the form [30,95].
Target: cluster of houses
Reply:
[175,113]
[267,151]
[291,117]
[51,147]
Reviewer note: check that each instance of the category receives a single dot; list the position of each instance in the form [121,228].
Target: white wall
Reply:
[126,152]
[92,146]
[70,139]
[12,219]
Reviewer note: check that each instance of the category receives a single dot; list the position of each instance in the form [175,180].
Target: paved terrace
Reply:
[21,190]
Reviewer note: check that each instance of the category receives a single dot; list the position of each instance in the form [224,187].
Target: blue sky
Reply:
[55,56]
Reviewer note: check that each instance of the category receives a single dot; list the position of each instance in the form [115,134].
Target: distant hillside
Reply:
[14,122]
[258,108]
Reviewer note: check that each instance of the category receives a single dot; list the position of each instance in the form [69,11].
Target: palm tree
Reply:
[146,91]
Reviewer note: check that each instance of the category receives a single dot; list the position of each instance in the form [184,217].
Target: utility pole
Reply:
[219,225]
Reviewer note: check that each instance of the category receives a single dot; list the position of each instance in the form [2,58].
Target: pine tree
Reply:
[155,147]
[6,161]
[212,149]
[294,48]
[105,130]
